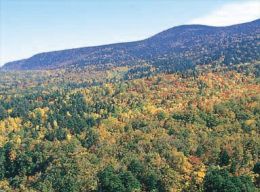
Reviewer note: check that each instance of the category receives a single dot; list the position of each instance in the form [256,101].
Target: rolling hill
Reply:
[186,44]
[136,116]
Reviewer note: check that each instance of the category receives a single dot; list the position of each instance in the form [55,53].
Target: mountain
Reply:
[182,45]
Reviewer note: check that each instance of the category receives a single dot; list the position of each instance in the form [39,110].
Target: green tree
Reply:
[161,115]
[137,168]
[109,181]
[219,180]
[129,181]
[224,158]
[256,168]
[3,113]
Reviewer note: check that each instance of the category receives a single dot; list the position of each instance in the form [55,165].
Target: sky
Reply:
[28,27]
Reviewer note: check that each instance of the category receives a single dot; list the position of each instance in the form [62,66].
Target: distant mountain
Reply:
[181,45]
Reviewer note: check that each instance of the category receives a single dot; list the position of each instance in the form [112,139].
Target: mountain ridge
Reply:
[185,42]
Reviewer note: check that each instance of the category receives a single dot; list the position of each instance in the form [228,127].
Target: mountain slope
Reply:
[196,44]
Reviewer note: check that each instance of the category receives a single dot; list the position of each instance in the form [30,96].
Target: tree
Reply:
[121,181]
[137,168]
[129,181]
[109,181]
[233,167]
[200,151]
[224,158]
[219,180]
[256,168]
[153,183]
[2,163]
[91,139]
[3,113]
[62,177]
[161,115]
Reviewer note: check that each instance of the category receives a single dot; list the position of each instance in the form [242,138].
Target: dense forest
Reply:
[125,129]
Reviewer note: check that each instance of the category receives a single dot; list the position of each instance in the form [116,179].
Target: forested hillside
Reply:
[131,129]
[177,112]
[184,46]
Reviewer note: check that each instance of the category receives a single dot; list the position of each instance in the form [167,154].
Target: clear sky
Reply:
[28,27]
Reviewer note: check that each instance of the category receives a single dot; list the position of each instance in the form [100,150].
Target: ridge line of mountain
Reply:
[147,49]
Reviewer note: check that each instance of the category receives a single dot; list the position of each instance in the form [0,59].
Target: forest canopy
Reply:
[130,130]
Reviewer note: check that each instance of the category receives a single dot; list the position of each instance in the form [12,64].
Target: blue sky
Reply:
[28,27]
